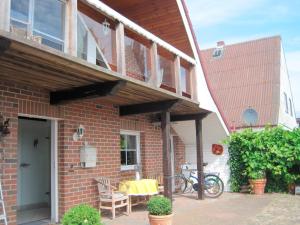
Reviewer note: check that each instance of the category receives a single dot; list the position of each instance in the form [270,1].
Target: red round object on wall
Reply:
[217,149]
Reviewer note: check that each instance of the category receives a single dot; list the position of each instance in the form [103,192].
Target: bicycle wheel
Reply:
[180,184]
[214,186]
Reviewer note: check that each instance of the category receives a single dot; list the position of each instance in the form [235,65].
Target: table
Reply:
[143,187]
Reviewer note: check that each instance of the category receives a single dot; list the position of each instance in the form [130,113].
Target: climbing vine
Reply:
[273,153]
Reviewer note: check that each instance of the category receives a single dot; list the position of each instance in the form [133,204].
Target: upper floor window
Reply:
[40,20]
[218,52]
[291,107]
[286,103]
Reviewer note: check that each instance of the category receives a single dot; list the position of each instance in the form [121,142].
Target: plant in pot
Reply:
[256,164]
[82,215]
[160,211]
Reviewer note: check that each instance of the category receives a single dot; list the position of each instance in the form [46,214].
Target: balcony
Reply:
[97,44]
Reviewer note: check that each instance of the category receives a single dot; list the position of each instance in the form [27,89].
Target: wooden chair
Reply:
[160,181]
[109,198]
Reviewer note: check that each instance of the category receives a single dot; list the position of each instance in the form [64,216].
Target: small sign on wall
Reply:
[217,149]
[88,156]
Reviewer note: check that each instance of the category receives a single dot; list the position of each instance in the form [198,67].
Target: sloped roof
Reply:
[247,75]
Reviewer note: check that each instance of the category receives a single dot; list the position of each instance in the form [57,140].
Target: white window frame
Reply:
[138,149]
[286,103]
[30,24]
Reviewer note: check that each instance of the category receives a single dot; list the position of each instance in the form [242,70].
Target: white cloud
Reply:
[212,12]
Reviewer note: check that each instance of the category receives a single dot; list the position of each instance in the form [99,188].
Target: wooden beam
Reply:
[5,15]
[183,117]
[153,65]
[71,27]
[199,149]
[167,170]
[90,91]
[177,74]
[4,45]
[120,48]
[149,107]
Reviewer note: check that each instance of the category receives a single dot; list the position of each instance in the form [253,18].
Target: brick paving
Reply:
[229,209]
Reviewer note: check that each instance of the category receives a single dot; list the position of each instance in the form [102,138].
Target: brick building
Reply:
[73,69]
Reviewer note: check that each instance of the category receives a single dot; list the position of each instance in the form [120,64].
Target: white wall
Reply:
[213,133]
[285,119]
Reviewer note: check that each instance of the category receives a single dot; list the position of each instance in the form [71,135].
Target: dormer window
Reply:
[218,52]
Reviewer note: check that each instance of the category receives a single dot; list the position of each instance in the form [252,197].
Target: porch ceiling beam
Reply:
[4,45]
[149,107]
[96,90]
[183,117]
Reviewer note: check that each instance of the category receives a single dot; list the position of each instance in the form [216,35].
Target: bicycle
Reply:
[213,185]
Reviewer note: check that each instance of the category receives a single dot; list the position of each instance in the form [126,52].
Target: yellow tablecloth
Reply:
[139,187]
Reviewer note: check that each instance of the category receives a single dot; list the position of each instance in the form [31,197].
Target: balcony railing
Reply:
[108,40]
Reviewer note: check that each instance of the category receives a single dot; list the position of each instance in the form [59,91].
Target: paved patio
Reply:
[229,209]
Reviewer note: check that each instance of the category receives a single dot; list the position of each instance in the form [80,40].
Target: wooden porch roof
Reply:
[27,62]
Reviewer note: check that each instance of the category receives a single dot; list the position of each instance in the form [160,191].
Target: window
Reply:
[218,52]
[286,103]
[41,20]
[291,107]
[130,149]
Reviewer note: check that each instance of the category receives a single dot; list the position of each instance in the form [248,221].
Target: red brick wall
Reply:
[102,125]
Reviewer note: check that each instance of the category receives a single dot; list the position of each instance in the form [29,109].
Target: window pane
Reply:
[49,17]
[123,158]
[20,9]
[131,142]
[131,158]
[51,42]
[81,40]
[19,29]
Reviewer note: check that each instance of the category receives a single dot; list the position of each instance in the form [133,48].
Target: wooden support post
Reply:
[71,28]
[120,48]
[5,15]
[199,148]
[155,73]
[193,83]
[177,74]
[167,170]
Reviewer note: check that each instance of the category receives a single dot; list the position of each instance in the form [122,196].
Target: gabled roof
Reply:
[247,75]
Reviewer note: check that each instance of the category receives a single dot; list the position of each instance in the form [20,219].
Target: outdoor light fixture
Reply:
[79,133]
[106,27]
[4,124]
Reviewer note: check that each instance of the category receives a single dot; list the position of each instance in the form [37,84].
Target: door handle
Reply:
[24,165]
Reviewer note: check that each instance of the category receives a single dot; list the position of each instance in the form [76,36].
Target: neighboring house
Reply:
[96,76]
[251,74]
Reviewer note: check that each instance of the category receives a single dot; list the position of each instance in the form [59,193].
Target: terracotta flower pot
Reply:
[258,186]
[160,220]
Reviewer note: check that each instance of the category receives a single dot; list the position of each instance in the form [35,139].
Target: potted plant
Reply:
[258,182]
[160,211]
[256,164]
[82,215]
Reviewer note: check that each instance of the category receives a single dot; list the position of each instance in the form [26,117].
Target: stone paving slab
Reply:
[229,209]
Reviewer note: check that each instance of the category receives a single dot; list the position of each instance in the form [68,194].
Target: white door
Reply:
[34,171]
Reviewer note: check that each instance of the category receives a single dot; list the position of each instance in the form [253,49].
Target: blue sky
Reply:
[239,20]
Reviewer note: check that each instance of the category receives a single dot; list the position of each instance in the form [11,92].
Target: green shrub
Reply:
[82,215]
[159,206]
[272,152]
